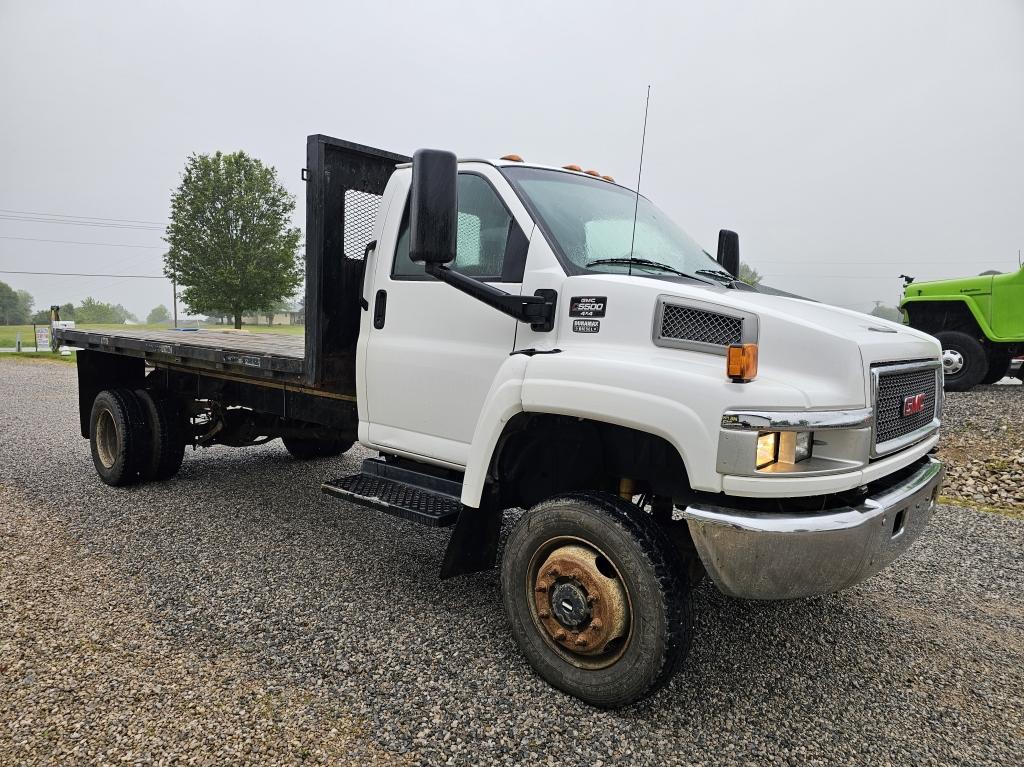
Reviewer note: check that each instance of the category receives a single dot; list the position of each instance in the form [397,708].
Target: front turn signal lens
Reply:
[741,362]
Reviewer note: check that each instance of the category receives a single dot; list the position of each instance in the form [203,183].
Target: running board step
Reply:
[422,498]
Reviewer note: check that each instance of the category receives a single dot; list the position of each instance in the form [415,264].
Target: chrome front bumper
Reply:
[756,555]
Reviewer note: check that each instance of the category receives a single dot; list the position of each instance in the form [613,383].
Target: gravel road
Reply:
[237,615]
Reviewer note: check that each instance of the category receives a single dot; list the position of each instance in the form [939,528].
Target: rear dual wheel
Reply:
[167,436]
[134,435]
[597,598]
[118,436]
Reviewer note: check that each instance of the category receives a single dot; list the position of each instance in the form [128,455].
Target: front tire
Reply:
[964,361]
[118,437]
[597,600]
[306,449]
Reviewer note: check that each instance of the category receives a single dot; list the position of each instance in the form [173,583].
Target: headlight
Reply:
[783,447]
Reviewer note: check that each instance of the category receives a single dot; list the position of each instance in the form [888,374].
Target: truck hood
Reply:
[823,352]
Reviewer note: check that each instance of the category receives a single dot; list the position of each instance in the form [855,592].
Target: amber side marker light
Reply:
[576,168]
[741,362]
[512,158]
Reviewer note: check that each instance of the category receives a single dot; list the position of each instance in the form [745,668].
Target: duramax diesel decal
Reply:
[586,326]
[587,306]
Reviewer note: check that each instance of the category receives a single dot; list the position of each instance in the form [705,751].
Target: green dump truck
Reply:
[978,320]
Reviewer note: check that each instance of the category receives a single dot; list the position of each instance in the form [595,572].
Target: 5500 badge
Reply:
[587,306]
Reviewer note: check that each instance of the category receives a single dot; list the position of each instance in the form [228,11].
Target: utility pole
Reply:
[174,300]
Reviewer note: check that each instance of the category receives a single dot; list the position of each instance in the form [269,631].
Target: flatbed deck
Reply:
[252,355]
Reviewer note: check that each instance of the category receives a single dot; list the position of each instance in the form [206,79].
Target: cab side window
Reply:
[483,237]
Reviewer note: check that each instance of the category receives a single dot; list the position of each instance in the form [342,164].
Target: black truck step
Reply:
[422,498]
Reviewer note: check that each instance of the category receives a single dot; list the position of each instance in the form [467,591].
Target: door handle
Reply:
[380,306]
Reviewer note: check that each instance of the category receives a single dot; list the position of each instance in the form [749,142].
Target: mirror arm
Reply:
[538,309]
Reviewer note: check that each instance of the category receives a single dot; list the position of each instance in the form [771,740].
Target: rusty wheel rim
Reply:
[580,603]
[106,439]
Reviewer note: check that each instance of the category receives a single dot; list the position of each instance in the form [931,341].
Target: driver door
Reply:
[433,351]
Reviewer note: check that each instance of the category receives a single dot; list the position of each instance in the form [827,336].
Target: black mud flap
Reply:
[474,543]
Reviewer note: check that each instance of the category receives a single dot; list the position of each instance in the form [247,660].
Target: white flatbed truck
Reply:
[498,334]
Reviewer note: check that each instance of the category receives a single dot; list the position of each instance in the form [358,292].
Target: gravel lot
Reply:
[238,615]
[983,444]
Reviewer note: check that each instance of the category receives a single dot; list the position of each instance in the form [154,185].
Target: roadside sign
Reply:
[42,338]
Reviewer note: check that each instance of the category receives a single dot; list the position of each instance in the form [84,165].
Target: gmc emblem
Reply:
[913,404]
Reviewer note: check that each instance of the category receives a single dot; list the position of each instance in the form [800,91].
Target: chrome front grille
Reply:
[894,385]
[685,323]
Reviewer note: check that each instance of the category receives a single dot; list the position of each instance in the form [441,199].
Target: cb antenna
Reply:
[639,173]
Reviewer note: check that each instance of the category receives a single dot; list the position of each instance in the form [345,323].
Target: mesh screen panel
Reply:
[893,389]
[685,323]
[360,218]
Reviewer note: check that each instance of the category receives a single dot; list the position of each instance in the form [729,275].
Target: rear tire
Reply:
[118,437]
[627,641]
[306,449]
[167,436]
[964,361]
[998,366]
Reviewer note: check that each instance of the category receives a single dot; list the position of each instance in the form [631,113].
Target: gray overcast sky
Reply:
[846,142]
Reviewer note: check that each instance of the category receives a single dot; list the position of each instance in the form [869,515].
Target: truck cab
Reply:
[537,342]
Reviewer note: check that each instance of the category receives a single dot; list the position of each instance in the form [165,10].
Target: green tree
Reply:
[25,304]
[93,312]
[232,248]
[41,317]
[15,305]
[749,274]
[158,315]
[887,312]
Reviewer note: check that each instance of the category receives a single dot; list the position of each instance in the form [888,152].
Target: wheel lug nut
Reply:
[541,588]
[560,636]
[555,571]
[544,614]
[581,641]
[595,624]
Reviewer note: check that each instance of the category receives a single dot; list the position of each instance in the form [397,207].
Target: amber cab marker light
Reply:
[608,178]
[741,362]
[592,173]
[512,158]
[576,168]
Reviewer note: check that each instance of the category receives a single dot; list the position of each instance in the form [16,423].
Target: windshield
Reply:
[591,223]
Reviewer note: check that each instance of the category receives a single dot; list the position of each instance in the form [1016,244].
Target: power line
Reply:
[91,218]
[34,220]
[80,242]
[80,274]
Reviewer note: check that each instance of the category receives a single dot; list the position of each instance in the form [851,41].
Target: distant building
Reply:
[290,314]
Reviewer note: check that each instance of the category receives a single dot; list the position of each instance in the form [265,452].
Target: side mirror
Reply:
[729,252]
[433,207]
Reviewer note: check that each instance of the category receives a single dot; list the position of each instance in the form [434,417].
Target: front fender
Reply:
[972,307]
[504,400]
[598,390]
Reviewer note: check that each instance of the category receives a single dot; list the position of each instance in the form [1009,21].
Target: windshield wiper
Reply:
[718,274]
[639,262]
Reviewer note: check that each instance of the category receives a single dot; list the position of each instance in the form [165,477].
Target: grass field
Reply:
[9,333]
[40,357]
